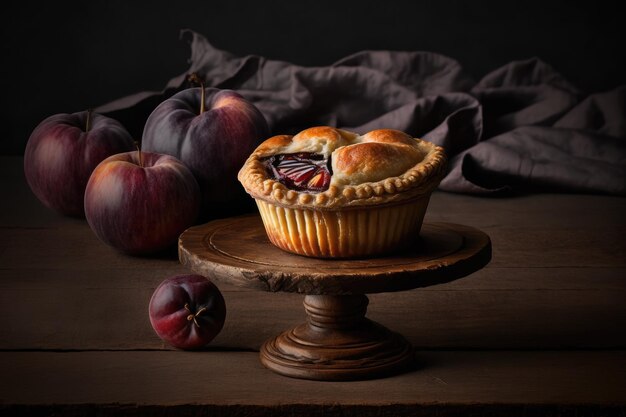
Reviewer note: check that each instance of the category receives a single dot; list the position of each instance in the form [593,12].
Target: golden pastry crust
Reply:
[383,166]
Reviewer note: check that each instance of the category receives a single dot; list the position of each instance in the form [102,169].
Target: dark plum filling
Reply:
[304,171]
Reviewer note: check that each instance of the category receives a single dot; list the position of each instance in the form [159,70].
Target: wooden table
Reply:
[540,331]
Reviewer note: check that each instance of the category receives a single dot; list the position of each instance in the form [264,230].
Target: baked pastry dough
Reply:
[327,192]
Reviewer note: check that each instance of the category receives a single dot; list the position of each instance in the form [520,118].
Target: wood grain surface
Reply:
[237,251]
[538,331]
[213,377]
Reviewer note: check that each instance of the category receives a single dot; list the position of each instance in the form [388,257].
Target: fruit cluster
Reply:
[139,201]
[193,144]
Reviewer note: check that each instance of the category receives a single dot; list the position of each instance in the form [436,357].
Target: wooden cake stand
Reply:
[337,342]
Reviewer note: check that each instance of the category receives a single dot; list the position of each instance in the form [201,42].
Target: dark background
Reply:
[66,57]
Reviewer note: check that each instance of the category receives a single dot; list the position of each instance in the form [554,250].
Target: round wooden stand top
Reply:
[237,251]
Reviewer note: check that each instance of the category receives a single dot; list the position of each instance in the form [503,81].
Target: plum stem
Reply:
[88,122]
[195,78]
[139,153]
[192,315]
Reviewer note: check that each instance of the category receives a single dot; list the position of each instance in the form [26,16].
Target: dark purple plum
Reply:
[187,311]
[213,132]
[140,202]
[62,152]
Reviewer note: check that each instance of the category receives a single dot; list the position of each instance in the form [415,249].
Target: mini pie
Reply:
[331,193]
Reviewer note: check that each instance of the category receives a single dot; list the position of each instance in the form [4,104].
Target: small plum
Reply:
[187,311]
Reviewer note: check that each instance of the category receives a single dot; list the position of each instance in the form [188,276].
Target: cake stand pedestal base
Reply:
[337,343]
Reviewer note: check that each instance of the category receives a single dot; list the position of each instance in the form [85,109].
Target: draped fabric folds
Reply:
[521,127]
